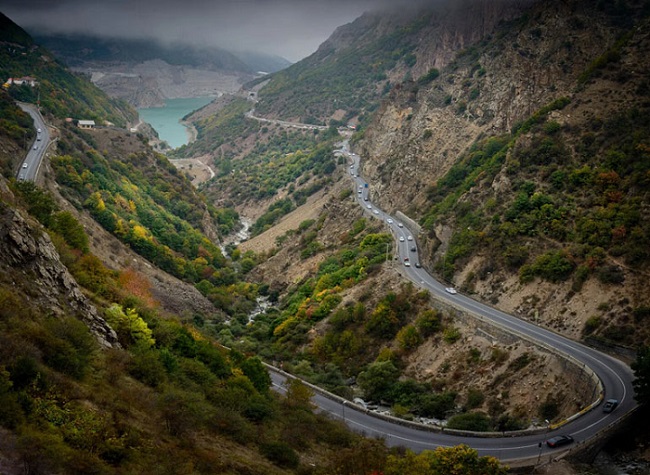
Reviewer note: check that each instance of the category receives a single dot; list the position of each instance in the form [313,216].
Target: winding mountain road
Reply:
[32,163]
[611,378]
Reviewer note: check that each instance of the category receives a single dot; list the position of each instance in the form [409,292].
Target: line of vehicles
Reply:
[557,441]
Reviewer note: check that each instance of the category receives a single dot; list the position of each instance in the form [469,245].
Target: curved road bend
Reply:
[32,163]
[615,376]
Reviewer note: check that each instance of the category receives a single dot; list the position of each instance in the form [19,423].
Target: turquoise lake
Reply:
[166,120]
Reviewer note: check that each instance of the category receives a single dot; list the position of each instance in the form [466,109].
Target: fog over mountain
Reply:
[289,28]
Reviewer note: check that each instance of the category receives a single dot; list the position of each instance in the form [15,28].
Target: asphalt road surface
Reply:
[614,375]
[32,163]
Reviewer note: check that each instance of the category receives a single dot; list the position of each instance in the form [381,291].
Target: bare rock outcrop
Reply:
[28,254]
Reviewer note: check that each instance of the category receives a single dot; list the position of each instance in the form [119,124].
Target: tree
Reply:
[257,373]
[459,460]
[298,394]
[130,328]
[409,338]
[378,379]
[72,231]
[641,368]
[463,460]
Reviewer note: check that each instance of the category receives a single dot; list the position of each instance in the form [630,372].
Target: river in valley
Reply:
[166,120]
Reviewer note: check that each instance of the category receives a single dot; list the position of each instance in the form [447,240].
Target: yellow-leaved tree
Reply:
[130,328]
[459,460]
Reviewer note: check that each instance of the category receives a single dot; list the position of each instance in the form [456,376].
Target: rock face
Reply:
[149,83]
[27,250]
[489,83]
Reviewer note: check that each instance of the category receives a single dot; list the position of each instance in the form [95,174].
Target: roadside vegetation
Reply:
[575,208]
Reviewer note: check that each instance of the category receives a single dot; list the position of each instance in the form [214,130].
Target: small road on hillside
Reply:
[32,163]
[296,125]
[611,378]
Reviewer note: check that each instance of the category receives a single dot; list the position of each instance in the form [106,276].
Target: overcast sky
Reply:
[290,28]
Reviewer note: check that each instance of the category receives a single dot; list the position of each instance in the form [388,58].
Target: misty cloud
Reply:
[290,28]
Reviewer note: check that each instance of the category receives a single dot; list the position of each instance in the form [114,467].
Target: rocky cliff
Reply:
[428,132]
[31,265]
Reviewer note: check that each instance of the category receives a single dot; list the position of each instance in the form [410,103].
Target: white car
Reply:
[24,165]
[410,238]
[369,206]
[401,239]
[451,290]
[400,225]
[375,211]
[389,221]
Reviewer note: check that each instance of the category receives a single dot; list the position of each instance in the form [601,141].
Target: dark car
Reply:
[559,440]
[610,405]
[413,249]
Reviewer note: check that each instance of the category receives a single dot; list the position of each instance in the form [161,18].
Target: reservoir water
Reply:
[166,120]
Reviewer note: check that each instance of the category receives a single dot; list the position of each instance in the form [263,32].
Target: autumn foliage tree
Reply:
[459,460]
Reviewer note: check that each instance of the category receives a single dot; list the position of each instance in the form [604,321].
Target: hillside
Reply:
[20,56]
[100,370]
[145,72]
[351,71]
[524,160]
[514,136]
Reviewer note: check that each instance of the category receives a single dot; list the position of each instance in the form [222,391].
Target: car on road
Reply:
[39,130]
[389,221]
[610,405]
[400,225]
[418,265]
[35,147]
[451,290]
[368,206]
[410,238]
[24,165]
[375,211]
[559,440]
[401,239]
[413,249]
[407,263]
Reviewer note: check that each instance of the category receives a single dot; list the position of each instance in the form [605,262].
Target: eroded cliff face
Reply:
[30,263]
[488,83]
[421,129]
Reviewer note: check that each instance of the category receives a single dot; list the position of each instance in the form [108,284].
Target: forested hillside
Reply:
[99,376]
[518,147]
[20,56]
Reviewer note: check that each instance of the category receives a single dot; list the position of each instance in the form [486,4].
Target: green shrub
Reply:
[592,324]
[281,454]
[550,409]
[473,421]
[475,398]
[520,362]
[451,335]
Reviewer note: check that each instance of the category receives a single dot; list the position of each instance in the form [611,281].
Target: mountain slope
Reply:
[96,376]
[21,56]
[525,162]
[361,61]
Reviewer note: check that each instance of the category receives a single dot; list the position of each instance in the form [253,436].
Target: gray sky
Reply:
[290,28]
